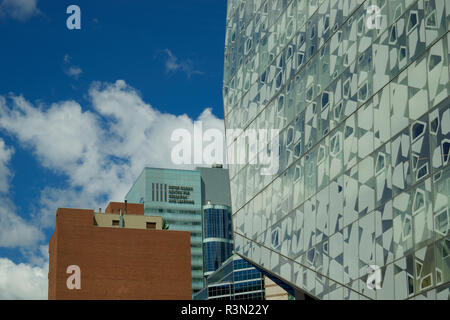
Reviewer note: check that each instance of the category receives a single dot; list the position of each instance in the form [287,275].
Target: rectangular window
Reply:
[157,191]
[115,223]
[161,192]
[151,225]
[153,192]
[165,192]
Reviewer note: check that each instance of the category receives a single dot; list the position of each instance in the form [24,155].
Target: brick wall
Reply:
[118,263]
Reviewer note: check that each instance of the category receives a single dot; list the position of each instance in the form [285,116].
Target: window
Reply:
[431,19]
[325,100]
[115,223]
[301,39]
[362,93]
[300,59]
[380,164]
[434,61]
[360,26]
[310,94]
[402,53]
[335,144]
[412,22]
[337,111]
[298,149]
[313,32]
[417,129]
[279,79]
[347,88]
[326,23]
[151,225]
[321,154]
[290,52]
[290,136]
[393,37]
[275,238]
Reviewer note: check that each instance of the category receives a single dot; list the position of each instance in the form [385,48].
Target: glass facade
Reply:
[363,114]
[175,195]
[236,279]
[217,237]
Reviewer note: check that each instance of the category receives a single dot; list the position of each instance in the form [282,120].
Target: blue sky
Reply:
[83,111]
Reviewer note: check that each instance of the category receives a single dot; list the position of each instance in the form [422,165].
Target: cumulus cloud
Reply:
[18,9]
[5,174]
[23,281]
[14,230]
[102,151]
[173,64]
[19,281]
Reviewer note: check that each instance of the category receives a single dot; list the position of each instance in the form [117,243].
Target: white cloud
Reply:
[173,64]
[23,281]
[61,135]
[72,71]
[14,231]
[18,9]
[19,281]
[37,256]
[101,152]
[5,174]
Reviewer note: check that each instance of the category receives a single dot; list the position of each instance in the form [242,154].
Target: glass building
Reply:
[360,96]
[236,279]
[217,237]
[217,230]
[175,195]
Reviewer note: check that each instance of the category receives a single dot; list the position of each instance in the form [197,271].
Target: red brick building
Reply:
[118,256]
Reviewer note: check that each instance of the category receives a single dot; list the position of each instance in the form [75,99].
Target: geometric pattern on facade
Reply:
[364,120]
